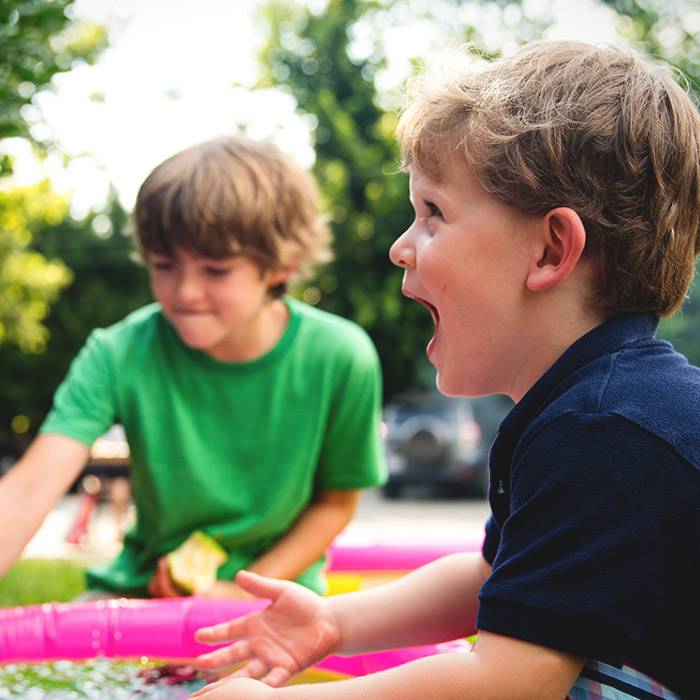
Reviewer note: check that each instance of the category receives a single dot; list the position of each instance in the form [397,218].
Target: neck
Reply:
[257,338]
[545,344]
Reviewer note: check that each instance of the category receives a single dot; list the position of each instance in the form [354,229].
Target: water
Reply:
[105,679]
[98,679]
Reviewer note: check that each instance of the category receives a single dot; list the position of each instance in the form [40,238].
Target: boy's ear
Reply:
[280,276]
[562,240]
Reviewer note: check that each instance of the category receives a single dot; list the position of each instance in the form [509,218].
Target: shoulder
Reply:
[138,331]
[647,388]
[134,324]
[332,335]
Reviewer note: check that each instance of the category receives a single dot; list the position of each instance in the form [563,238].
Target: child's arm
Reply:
[304,543]
[32,487]
[499,668]
[434,603]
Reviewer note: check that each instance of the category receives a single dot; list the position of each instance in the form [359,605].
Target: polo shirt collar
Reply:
[611,335]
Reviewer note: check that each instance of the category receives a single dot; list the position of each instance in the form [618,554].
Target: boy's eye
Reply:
[217,271]
[161,264]
[433,209]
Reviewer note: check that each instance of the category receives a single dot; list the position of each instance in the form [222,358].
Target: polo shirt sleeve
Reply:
[492,538]
[84,403]
[352,455]
[596,539]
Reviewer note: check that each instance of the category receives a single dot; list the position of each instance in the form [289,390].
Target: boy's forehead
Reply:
[180,253]
[455,177]
[421,181]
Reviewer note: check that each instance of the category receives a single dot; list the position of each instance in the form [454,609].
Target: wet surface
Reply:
[98,678]
[107,679]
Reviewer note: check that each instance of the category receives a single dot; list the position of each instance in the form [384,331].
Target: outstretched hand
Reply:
[297,629]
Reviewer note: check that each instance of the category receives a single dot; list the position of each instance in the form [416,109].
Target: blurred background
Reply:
[94,93]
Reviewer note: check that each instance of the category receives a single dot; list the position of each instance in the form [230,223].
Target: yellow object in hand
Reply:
[193,565]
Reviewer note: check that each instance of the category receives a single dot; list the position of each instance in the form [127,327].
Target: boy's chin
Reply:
[454,387]
[195,342]
[447,388]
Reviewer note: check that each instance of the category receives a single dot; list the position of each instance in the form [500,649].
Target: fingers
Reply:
[256,669]
[253,671]
[229,688]
[225,656]
[223,632]
[161,585]
[259,670]
[276,677]
[261,586]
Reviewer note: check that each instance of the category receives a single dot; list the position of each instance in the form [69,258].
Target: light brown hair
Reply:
[233,196]
[596,129]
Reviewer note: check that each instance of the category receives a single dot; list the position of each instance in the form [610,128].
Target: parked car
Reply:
[440,442]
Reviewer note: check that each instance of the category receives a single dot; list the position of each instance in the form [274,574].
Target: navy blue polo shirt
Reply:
[594,536]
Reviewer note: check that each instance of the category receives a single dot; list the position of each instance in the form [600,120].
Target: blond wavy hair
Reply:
[596,129]
[234,196]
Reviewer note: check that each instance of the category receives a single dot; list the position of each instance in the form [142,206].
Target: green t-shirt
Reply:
[237,450]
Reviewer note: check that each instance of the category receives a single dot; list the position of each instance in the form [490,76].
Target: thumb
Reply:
[261,586]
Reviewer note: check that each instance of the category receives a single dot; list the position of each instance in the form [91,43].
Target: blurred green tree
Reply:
[37,41]
[669,31]
[28,281]
[330,60]
[40,244]
[358,172]
[332,57]
[107,284]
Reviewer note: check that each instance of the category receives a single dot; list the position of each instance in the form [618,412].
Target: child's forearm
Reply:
[510,670]
[435,603]
[31,488]
[445,677]
[309,537]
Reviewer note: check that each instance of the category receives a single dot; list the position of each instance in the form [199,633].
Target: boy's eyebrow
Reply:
[425,191]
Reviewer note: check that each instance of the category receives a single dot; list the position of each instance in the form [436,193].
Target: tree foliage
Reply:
[37,41]
[314,55]
[107,284]
[28,281]
[357,166]
[358,172]
[669,31]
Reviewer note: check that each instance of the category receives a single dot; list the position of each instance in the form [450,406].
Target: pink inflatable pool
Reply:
[364,552]
[159,629]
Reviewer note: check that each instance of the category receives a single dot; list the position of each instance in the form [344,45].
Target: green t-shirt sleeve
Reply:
[84,403]
[352,455]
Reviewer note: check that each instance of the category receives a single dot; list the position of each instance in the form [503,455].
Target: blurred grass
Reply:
[32,581]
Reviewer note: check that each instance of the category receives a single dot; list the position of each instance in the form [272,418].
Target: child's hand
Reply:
[238,688]
[162,585]
[297,629]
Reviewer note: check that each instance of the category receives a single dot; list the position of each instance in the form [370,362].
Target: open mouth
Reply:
[433,311]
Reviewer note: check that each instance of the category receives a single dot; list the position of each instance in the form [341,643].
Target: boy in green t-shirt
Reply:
[250,416]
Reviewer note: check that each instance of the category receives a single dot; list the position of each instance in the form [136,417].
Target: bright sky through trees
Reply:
[178,72]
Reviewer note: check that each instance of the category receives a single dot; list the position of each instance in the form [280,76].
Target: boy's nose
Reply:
[402,252]
[188,289]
